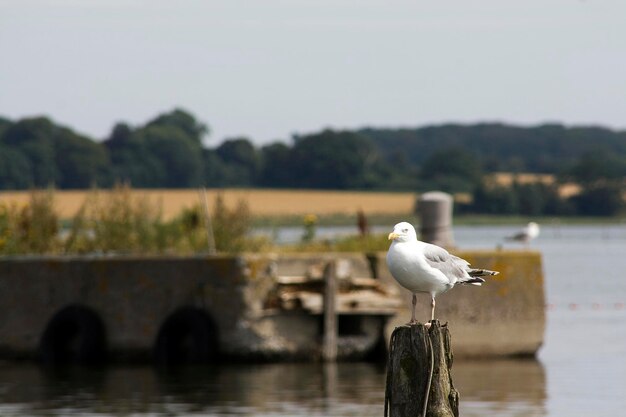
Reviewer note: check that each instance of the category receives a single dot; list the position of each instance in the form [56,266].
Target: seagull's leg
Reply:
[414,302]
[432,311]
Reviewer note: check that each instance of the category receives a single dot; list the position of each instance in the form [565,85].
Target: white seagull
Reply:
[528,233]
[422,267]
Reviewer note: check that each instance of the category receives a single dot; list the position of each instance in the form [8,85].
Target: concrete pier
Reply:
[185,309]
[251,307]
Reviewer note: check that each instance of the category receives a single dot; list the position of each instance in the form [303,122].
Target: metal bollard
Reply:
[435,211]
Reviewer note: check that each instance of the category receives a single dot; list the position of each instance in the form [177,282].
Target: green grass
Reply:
[332,220]
[369,243]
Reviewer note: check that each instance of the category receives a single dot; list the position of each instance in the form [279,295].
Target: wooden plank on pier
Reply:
[329,346]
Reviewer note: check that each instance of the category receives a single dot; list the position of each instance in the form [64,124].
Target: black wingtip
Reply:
[474,280]
[481,272]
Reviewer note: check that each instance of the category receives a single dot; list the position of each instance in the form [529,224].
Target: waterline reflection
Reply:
[503,388]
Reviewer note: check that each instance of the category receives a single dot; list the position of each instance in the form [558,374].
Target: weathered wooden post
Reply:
[329,342]
[418,373]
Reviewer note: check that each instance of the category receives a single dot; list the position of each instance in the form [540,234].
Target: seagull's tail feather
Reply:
[476,274]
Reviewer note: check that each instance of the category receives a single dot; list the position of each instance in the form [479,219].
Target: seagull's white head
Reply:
[532,229]
[403,232]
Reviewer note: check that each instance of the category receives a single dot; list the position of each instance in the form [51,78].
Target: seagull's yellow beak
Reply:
[392,236]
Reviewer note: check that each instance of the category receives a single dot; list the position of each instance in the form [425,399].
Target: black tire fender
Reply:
[188,335]
[75,334]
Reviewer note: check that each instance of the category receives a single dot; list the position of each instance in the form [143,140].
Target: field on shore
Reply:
[262,203]
[287,207]
[285,204]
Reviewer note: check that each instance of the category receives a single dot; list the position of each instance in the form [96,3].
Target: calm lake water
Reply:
[580,371]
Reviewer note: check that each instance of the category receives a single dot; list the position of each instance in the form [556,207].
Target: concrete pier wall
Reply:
[136,308]
[132,296]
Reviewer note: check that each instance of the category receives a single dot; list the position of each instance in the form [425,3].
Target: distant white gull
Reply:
[528,233]
[423,267]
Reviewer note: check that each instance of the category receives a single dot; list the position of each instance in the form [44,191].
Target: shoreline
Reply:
[458,220]
[287,207]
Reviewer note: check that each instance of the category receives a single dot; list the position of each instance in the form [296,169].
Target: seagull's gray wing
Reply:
[452,266]
[519,236]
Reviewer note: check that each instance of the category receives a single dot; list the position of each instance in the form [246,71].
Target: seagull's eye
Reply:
[405,230]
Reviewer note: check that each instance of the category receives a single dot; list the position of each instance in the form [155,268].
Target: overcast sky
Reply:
[268,69]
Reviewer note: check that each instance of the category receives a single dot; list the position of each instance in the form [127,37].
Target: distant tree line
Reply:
[169,151]
[600,175]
